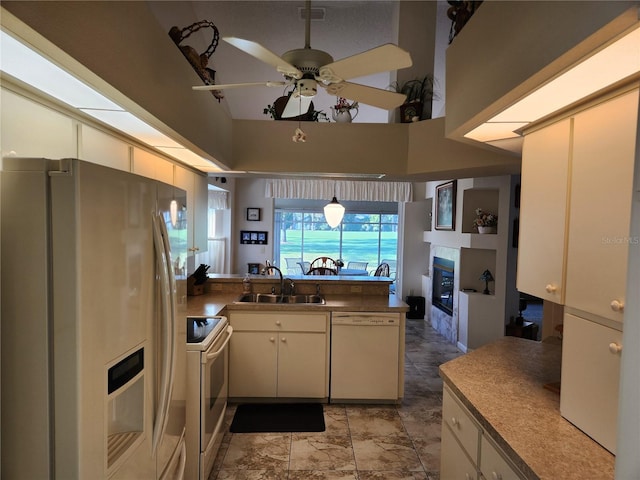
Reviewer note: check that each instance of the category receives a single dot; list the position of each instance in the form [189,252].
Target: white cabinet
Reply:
[601,196]
[468,452]
[454,461]
[197,207]
[152,166]
[590,378]
[576,196]
[543,211]
[279,354]
[29,129]
[492,463]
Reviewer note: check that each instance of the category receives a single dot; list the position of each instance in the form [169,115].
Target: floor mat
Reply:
[278,417]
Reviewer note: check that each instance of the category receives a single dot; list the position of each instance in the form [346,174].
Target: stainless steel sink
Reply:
[281,299]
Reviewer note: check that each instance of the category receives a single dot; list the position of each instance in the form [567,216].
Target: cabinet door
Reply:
[454,462]
[590,378]
[543,211]
[302,365]
[601,198]
[253,364]
[200,213]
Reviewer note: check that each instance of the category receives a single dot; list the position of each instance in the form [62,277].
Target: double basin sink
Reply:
[284,299]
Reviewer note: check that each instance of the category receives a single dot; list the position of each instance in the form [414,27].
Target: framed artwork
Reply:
[254,268]
[254,238]
[253,214]
[446,206]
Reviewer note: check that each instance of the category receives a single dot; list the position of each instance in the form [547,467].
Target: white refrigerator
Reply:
[93,301]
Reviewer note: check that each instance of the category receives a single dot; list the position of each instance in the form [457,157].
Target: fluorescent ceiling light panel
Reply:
[25,64]
[21,62]
[191,158]
[133,126]
[619,60]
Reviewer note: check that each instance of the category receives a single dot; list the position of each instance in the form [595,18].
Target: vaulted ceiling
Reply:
[344,28]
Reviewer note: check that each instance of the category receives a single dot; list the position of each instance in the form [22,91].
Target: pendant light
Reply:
[333,212]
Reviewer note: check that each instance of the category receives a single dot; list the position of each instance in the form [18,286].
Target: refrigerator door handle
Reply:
[166,304]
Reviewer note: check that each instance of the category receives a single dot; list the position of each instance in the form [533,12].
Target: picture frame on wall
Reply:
[254,238]
[253,214]
[446,206]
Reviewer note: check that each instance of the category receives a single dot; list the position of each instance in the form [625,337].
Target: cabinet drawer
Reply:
[492,463]
[279,321]
[459,420]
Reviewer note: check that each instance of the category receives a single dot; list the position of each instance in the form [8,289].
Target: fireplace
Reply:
[442,291]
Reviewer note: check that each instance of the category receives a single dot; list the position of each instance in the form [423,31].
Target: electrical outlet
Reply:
[356,289]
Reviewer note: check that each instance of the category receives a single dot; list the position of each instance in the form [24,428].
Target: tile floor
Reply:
[361,442]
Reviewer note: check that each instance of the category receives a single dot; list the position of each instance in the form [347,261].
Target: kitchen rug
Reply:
[278,418]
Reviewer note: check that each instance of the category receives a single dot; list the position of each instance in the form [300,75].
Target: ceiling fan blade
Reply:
[297,105]
[376,97]
[380,59]
[267,56]
[239,85]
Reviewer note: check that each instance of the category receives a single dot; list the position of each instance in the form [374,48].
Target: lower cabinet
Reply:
[279,355]
[467,452]
[590,378]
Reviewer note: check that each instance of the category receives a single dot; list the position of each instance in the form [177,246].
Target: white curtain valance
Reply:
[218,200]
[342,189]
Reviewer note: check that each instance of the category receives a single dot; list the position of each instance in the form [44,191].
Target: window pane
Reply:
[361,237]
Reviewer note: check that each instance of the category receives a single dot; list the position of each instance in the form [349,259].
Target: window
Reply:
[364,236]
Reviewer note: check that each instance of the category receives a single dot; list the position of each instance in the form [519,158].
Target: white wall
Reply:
[249,193]
[413,253]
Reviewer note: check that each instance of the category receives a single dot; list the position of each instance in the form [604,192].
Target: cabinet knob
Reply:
[454,421]
[496,476]
[615,347]
[617,306]
[551,288]
[283,339]
[271,339]
[278,322]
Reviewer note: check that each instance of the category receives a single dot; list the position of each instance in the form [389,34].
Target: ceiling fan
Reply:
[306,68]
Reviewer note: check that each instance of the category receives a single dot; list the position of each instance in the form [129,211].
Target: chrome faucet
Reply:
[273,267]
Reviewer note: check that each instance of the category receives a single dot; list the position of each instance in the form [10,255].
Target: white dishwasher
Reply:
[364,356]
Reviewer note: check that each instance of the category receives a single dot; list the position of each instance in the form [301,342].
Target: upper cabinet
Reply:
[543,211]
[577,184]
[197,220]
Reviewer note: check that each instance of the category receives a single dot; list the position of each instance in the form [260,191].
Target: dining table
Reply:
[352,271]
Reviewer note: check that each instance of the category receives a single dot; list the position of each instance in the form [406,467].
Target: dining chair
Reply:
[382,270]
[304,267]
[293,265]
[357,265]
[322,271]
[325,262]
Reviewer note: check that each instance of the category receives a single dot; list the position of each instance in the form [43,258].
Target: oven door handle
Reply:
[212,355]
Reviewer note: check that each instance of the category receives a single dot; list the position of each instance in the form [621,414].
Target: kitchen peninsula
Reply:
[499,398]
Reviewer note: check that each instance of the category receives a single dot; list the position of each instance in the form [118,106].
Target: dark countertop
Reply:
[502,385]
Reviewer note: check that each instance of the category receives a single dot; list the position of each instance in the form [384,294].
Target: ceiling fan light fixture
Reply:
[333,212]
[307,87]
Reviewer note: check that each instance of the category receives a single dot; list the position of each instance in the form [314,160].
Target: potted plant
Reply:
[485,222]
[419,92]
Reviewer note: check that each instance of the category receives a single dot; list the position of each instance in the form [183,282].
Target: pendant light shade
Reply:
[333,212]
